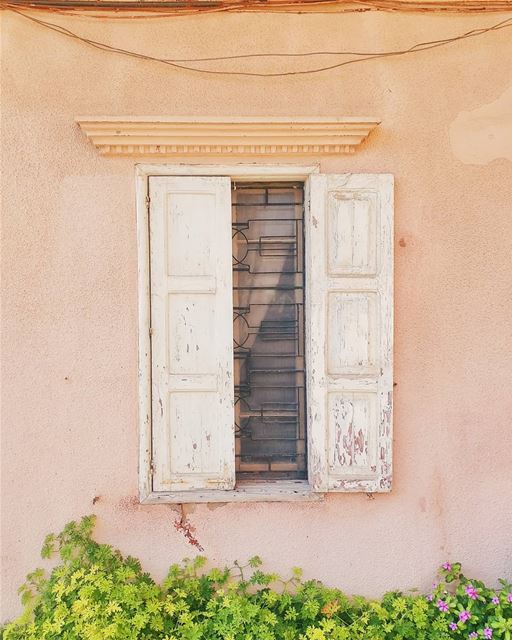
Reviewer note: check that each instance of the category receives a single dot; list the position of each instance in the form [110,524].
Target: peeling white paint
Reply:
[350,284]
[191,345]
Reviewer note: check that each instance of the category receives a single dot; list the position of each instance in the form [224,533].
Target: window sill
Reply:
[283,491]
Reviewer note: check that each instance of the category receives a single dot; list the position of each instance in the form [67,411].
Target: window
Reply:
[266,335]
[268,330]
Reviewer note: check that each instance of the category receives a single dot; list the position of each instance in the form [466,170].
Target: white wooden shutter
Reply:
[350,331]
[191,333]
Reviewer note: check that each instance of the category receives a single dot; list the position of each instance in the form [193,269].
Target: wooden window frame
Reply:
[271,491]
[285,490]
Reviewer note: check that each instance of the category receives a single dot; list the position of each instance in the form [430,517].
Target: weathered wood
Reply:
[278,491]
[235,171]
[144,368]
[349,235]
[349,339]
[191,333]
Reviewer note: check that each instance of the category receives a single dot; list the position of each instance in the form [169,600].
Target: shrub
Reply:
[471,609]
[96,594]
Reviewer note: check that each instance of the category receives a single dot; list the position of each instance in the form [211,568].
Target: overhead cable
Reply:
[179,63]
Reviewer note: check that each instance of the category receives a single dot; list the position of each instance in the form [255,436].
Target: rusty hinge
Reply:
[151,331]
[148,202]
[152,467]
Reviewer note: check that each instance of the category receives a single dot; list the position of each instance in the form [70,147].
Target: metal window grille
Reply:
[268,287]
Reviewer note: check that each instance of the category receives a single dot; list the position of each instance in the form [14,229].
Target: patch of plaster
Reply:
[216,505]
[484,134]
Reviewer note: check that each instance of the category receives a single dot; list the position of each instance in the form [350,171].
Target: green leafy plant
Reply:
[97,594]
[471,609]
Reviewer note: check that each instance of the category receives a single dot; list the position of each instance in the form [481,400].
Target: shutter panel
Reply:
[192,333]
[350,331]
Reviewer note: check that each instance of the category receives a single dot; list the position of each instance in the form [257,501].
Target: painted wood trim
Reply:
[236,171]
[183,136]
[280,491]
[239,171]
[144,340]
[352,397]
[191,333]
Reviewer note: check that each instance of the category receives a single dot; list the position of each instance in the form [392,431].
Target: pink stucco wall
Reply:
[69,356]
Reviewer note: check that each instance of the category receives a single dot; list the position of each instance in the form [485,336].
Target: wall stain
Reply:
[184,526]
[438,507]
[485,133]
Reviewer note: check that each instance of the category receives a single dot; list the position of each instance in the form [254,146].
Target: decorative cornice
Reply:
[159,136]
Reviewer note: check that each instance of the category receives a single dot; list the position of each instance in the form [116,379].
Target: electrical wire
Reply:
[177,63]
[364,54]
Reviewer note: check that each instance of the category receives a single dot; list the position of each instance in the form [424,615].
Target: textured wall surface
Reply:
[69,353]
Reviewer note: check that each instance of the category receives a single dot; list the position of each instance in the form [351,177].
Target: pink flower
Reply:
[464,615]
[488,633]
[509,597]
[471,592]
[453,626]
[430,597]
[473,635]
[442,606]
[447,566]
[495,600]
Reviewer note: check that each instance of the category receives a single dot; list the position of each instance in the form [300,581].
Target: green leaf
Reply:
[297,572]
[255,561]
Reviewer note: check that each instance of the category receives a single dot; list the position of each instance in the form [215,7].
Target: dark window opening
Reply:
[268,288]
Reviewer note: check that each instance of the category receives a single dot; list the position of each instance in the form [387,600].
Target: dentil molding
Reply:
[173,136]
